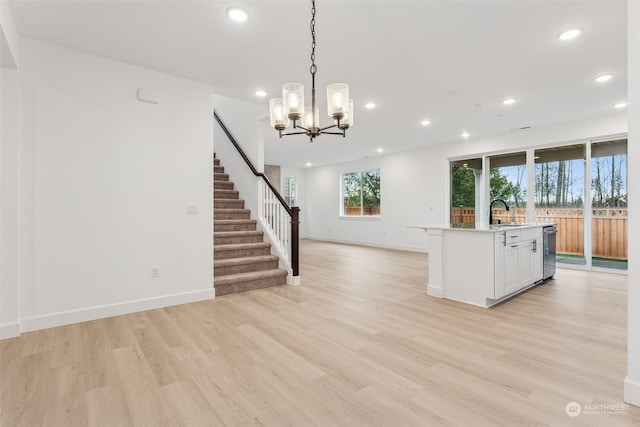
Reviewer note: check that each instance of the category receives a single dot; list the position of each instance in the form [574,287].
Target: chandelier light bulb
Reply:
[277,116]
[293,95]
[347,119]
[311,117]
[337,96]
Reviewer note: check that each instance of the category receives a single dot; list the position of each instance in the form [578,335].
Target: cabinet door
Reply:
[511,268]
[536,260]
[525,273]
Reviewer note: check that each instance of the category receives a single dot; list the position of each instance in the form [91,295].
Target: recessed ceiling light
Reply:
[370,105]
[620,105]
[603,78]
[260,93]
[465,134]
[570,34]
[425,123]
[509,101]
[308,163]
[237,14]
[380,150]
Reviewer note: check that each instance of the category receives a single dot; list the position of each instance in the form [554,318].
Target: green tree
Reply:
[499,185]
[370,182]
[463,186]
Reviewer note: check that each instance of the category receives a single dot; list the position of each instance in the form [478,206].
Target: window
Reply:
[291,191]
[361,193]
[508,182]
[466,178]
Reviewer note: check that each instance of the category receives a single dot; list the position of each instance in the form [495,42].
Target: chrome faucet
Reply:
[491,211]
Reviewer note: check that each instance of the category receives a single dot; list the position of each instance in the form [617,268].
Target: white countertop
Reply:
[483,227]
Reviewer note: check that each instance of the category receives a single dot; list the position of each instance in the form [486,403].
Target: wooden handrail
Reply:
[253,168]
[293,211]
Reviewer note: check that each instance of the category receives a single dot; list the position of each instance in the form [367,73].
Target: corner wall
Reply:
[9,218]
[632,382]
[104,184]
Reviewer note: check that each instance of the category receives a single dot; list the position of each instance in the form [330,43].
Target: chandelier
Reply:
[305,120]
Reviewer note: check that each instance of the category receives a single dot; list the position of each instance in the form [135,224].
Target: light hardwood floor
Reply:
[359,343]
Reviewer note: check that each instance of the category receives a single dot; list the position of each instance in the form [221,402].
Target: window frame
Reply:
[362,215]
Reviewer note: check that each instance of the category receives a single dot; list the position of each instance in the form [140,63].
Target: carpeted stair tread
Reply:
[244,260]
[236,221]
[240,236]
[252,275]
[237,246]
[238,233]
[226,194]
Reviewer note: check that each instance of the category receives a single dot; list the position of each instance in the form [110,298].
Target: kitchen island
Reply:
[484,265]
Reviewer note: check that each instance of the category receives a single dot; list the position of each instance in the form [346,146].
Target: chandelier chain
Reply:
[313,68]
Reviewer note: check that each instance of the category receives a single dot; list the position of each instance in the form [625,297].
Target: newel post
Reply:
[295,237]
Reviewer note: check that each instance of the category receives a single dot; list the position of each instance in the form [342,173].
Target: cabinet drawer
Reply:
[512,236]
[531,234]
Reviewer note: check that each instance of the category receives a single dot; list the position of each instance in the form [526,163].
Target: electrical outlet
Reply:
[192,209]
[155,271]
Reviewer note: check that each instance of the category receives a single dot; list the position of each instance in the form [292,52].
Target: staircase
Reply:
[242,260]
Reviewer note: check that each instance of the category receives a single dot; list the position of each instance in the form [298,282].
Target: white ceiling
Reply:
[451,62]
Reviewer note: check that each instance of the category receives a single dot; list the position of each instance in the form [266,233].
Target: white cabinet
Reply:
[518,260]
[530,256]
[512,275]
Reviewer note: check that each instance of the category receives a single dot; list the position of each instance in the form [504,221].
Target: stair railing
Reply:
[274,213]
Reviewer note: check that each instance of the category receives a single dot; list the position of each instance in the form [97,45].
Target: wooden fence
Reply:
[609,227]
[368,210]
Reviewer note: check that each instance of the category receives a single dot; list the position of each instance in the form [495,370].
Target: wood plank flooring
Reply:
[359,343]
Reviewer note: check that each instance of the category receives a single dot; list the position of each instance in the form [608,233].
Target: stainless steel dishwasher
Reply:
[549,245]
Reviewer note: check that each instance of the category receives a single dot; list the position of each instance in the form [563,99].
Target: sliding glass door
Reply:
[609,217]
[560,198]
[582,188]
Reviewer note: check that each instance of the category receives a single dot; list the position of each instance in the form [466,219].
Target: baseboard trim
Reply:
[435,291]
[371,244]
[632,391]
[100,312]
[293,280]
[9,330]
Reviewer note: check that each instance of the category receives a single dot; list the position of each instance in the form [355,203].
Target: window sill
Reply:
[365,217]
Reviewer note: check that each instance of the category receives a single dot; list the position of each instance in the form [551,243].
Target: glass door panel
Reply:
[465,189]
[609,194]
[560,198]
[508,182]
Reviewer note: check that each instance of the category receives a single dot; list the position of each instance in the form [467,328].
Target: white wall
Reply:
[104,185]
[9,290]
[414,185]
[242,119]
[9,317]
[632,383]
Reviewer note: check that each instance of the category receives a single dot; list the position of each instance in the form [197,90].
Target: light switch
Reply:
[192,209]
